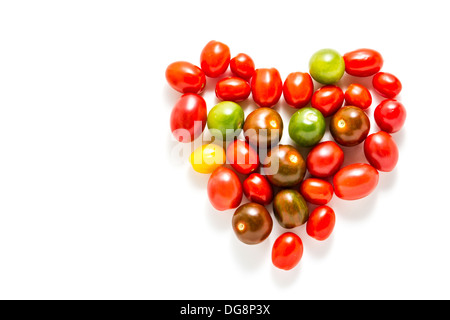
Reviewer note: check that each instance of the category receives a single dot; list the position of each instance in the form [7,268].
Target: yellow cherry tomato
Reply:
[207,158]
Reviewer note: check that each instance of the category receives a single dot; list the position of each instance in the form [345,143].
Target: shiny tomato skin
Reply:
[252,223]
[316,191]
[242,66]
[355,181]
[258,189]
[321,223]
[224,189]
[185,77]
[325,159]
[242,157]
[363,62]
[328,100]
[386,84]
[215,58]
[381,151]
[232,89]
[390,115]
[349,126]
[298,89]
[287,251]
[267,87]
[359,96]
[188,117]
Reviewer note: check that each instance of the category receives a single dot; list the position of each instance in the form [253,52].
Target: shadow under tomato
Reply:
[286,278]
[354,210]
[250,257]
[219,220]
[171,96]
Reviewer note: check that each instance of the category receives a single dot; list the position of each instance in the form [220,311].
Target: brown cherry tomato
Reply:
[328,100]
[358,96]
[232,89]
[263,128]
[258,189]
[267,87]
[215,58]
[349,126]
[287,251]
[387,84]
[242,66]
[325,159]
[321,223]
[242,157]
[381,151]
[185,77]
[363,62]
[316,191]
[284,166]
[298,89]
[252,223]
[290,209]
[355,181]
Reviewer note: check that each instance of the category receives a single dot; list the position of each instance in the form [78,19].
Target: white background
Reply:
[93,205]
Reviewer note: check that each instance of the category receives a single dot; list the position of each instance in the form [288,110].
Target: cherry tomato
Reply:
[232,89]
[185,77]
[290,209]
[242,66]
[355,181]
[215,58]
[387,84]
[298,89]
[326,66]
[287,251]
[381,151]
[263,128]
[242,157]
[252,223]
[258,189]
[316,191]
[188,117]
[358,96]
[328,100]
[321,223]
[307,127]
[207,158]
[325,159]
[224,189]
[267,87]
[284,166]
[349,126]
[363,62]
[225,120]
[390,115]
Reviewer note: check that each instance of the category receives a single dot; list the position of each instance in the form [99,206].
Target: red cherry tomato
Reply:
[358,96]
[232,89]
[224,189]
[242,157]
[328,100]
[381,151]
[267,87]
[215,58]
[321,223]
[258,189]
[363,62]
[325,159]
[287,251]
[355,181]
[390,115]
[387,84]
[185,77]
[242,66]
[316,191]
[298,89]
[188,117]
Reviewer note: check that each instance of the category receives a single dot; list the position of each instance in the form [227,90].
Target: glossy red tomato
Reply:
[390,115]
[188,117]
[381,151]
[242,66]
[328,100]
[316,191]
[358,96]
[232,89]
[258,189]
[298,89]
[355,181]
[287,251]
[321,223]
[325,159]
[242,157]
[363,62]
[215,58]
[387,84]
[185,77]
[224,189]
[267,87]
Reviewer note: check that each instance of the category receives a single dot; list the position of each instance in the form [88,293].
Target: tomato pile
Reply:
[269,173]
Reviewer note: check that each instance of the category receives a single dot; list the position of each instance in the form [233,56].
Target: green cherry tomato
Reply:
[225,120]
[307,127]
[327,66]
